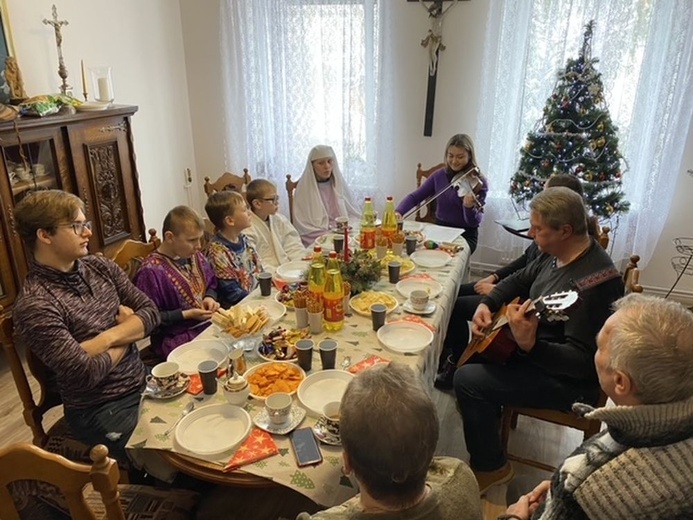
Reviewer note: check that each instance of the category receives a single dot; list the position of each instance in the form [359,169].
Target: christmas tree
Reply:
[575,136]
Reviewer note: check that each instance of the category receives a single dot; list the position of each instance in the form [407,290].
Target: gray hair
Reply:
[653,344]
[389,430]
[561,206]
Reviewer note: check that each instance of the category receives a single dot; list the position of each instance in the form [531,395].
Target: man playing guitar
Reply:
[553,365]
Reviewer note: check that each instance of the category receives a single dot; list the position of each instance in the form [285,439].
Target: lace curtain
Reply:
[645,51]
[305,72]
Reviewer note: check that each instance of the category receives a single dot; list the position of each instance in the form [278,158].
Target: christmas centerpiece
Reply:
[361,270]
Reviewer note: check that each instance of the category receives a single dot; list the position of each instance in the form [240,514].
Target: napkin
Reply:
[367,363]
[196,383]
[259,445]
[419,276]
[416,319]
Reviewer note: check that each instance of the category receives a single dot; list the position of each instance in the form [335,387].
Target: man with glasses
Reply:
[80,315]
[276,239]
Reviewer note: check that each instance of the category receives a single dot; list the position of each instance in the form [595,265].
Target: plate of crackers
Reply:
[268,378]
[241,321]
[280,344]
[361,303]
[407,265]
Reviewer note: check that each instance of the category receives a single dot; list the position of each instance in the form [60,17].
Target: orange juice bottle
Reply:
[333,295]
[389,225]
[368,218]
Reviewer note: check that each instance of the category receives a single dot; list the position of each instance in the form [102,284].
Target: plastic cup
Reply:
[208,376]
[304,350]
[411,245]
[338,243]
[301,317]
[315,322]
[378,312]
[393,269]
[265,280]
[328,353]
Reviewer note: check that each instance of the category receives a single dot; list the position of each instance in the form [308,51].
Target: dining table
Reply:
[357,347]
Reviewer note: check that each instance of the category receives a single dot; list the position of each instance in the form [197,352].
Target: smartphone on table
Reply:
[305,447]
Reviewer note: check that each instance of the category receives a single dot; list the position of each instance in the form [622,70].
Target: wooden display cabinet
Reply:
[90,154]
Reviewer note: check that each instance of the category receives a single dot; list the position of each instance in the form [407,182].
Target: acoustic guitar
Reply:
[497,344]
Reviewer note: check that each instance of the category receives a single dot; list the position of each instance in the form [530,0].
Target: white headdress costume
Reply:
[310,214]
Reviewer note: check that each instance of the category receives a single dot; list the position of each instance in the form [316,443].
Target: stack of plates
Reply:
[92,106]
[191,354]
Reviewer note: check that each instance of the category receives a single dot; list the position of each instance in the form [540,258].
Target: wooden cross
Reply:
[434,43]
[57,26]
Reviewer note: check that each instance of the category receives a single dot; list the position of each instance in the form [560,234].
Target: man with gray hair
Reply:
[552,363]
[640,466]
[389,431]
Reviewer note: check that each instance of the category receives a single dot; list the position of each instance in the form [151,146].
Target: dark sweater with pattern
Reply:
[56,311]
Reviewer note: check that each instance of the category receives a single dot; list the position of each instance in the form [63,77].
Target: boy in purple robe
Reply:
[180,281]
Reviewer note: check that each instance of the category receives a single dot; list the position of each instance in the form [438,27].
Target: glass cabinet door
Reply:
[31,166]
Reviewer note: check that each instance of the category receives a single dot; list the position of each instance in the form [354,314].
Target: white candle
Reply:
[104,89]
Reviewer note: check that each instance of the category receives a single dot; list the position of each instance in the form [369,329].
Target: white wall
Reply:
[142,41]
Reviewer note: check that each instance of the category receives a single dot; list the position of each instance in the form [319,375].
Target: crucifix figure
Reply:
[57,26]
[434,43]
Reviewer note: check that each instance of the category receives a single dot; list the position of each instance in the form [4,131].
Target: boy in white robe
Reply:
[276,240]
[321,196]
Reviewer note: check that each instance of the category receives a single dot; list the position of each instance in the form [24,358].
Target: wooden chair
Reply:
[631,276]
[427,214]
[228,181]
[59,438]
[604,236]
[131,254]
[55,482]
[290,188]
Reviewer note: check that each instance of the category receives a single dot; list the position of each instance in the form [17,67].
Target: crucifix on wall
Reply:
[433,42]
[57,27]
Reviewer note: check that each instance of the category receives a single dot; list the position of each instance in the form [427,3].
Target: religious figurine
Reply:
[434,40]
[57,27]
[13,77]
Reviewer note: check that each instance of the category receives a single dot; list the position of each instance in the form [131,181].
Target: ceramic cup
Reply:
[419,299]
[236,390]
[331,414]
[208,376]
[342,223]
[278,407]
[265,280]
[165,375]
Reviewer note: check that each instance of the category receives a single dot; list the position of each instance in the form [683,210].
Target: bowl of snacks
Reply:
[241,321]
[286,295]
[267,378]
[279,344]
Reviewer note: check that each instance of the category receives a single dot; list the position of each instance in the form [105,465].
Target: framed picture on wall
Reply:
[6,50]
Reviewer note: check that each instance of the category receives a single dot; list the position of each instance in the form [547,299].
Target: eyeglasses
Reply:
[273,200]
[78,227]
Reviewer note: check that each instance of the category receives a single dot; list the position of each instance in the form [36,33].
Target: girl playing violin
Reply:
[460,208]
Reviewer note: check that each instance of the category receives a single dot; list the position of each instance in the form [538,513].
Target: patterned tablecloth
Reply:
[325,484]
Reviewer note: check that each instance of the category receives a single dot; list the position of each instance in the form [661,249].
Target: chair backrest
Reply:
[290,188]
[25,461]
[604,236]
[130,255]
[631,276]
[427,214]
[228,181]
[48,394]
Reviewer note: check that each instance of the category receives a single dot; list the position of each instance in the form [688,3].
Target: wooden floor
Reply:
[535,439]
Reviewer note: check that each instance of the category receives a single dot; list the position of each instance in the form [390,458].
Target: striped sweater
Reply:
[640,467]
[56,311]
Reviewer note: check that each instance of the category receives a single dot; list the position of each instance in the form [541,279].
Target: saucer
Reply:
[262,421]
[323,435]
[181,386]
[430,308]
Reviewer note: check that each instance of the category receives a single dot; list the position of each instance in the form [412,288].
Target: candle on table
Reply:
[84,81]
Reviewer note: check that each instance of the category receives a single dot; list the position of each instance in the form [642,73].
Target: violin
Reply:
[467,182]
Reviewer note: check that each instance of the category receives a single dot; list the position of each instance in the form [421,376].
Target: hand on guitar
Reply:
[483,317]
[523,324]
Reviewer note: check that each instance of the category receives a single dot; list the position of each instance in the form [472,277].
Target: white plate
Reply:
[213,429]
[405,287]
[431,258]
[254,369]
[263,422]
[191,354]
[412,225]
[292,271]
[275,310]
[321,388]
[405,336]
[390,307]
[326,241]
[430,308]
[92,106]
